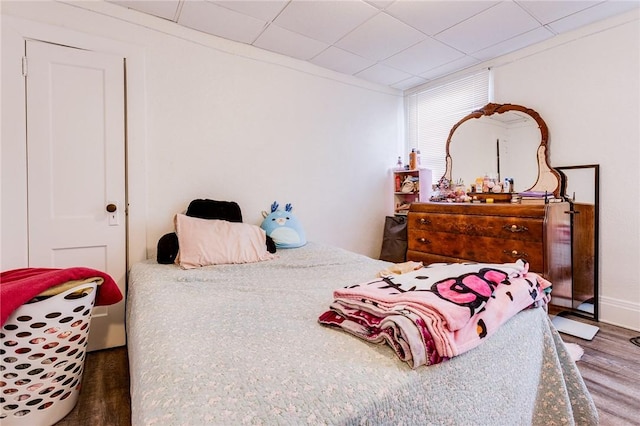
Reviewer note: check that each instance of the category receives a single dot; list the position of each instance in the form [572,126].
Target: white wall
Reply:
[238,129]
[224,121]
[587,89]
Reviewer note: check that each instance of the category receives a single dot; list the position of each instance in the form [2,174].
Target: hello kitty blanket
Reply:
[436,312]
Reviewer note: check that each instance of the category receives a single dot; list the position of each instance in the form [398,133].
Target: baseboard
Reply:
[619,312]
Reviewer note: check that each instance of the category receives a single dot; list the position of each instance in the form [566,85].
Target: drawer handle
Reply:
[515,253]
[424,221]
[515,228]
[424,241]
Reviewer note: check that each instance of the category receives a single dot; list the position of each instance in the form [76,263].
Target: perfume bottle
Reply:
[399,163]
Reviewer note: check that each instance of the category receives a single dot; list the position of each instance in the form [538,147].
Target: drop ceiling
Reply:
[397,43]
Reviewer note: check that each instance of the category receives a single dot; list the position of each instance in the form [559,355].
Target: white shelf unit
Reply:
[420,192]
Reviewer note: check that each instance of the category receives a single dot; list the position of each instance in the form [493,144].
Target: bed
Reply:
[241,344]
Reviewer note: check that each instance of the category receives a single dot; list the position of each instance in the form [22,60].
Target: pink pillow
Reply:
[213,242]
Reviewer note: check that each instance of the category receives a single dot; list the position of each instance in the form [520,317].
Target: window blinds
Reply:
[431,113]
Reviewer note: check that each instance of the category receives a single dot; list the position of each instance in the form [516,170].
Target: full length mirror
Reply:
[580,185]
[506,141]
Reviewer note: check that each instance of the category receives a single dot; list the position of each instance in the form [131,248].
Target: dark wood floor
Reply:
[610,367]
[104,398]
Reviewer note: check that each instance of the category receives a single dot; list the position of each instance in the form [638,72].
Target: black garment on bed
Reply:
[168,246]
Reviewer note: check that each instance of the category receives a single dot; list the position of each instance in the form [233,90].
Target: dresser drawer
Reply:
[429,258]
[516,228]
[492,233]
[477,248]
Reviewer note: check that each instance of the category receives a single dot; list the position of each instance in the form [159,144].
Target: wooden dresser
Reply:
[493,233]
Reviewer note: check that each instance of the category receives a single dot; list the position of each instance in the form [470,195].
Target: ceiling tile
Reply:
[380,37]
[423,56]
[341,61]
[380,4]
[163,9]
[587,16]
[409,83]
[549,11]
[393,42]
[494,25]
[518,42]
[451,67]
[327,21]
[217,20]
[383,74]
[263,10]
[289,43]
[432,17]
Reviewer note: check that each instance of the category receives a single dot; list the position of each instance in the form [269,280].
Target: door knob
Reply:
[111,208]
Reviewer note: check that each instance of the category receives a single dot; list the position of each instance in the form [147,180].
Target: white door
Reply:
[76,168]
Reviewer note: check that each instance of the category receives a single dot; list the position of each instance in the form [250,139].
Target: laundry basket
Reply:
[43,346]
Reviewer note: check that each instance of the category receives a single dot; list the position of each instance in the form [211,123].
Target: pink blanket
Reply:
[21,285]
[439,311]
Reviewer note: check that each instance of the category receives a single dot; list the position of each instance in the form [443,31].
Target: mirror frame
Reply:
[548,178]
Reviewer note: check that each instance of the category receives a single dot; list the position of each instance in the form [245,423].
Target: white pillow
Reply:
[205,242]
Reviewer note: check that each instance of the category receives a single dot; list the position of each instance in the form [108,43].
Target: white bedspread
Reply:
[240,344]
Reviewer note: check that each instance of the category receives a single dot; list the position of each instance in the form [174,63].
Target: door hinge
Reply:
[24,66]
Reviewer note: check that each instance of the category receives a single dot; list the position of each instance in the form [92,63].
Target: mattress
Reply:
[241,344]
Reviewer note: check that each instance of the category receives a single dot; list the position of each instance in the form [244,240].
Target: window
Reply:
[431,113]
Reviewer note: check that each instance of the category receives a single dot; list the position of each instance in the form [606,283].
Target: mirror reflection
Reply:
[580,185]
[503,145]
[502,141]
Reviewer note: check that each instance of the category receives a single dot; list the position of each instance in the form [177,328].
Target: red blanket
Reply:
[21,285]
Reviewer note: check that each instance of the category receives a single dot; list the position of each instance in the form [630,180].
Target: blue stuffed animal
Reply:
[283,227]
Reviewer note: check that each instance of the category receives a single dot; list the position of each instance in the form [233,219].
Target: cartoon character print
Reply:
[481,328]
[471,290]
[393,287]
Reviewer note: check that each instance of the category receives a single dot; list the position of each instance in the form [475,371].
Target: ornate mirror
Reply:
[504,140]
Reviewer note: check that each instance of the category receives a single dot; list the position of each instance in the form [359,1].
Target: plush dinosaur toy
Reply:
[283,227]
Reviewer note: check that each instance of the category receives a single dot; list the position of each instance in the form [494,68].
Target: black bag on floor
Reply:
[394,239]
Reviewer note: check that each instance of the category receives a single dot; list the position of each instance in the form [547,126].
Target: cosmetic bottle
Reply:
[413,163]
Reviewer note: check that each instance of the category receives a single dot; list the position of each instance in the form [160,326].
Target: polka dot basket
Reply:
[43,350]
